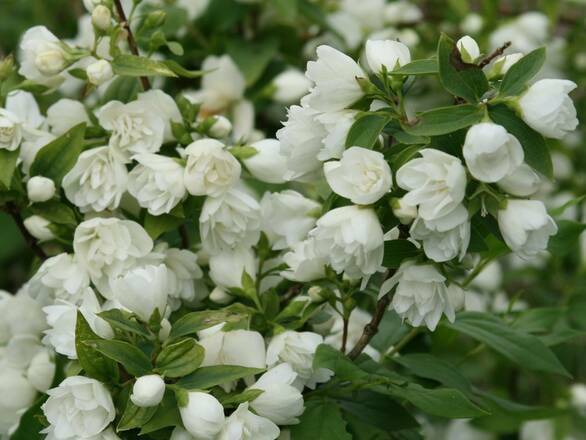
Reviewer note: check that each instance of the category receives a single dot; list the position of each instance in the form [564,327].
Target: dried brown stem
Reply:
[497,53]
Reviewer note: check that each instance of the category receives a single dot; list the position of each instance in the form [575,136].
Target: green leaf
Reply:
[55,212]
[524,349]
[118,320]
[522,71]
[157,225]
[123,89]
[567,238]
[418,67]
[400,154]
[556,212]
[286,9]
[193,322]
[252,58]
[536,151]
[30,425]
[445,120]
[7,166]
[233,400]
[460,79]
[180,359]
[322,420]
[130,356]
[366,129]
[56,158]
[94,363]
[132,65]
[167,414]
[550,324]
[182,71]
[396,251]
[135,416]
[208,377]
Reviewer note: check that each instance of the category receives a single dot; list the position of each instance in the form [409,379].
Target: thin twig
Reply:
[184,236]
[498,52]
[345,334]
[406,339]
[30,240]
[146,85]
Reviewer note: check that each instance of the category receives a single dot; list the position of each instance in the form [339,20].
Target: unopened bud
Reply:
[221,127]
[102,18]
[51,62]
[315,293]
[404,212]
[155,19]
[38,227]
[148,391]
[99,72]
[40,189]
[6,67]
[502,65]
[469,50]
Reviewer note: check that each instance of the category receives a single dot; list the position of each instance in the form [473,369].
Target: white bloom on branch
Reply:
[245,425]
[305,263]
[202,416]
[66,114]
[148,391]
[268,164]
[245,348]
[222,85]
[40,189]
[183,271]
[11,130]
[388,53]
[157,183]
[99,72]
[16,396]
[468,48]
[38,227]
[226,267]
[97,181]
[164,106]
[523,182]
[42,57]
[289,86]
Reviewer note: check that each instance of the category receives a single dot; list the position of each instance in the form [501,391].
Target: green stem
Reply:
[404,341]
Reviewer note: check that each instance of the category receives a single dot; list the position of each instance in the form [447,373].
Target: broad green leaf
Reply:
[56,158]
[418,67]
[208,377]
[157,225]
[130,356]
[55,212]
[252,58]
[522,71]
[536,151]
[445,120]
[118,320]
[123,89]
[550,324]
[94,363]
[396,251]
[400,154]
[180,359]
[286,9]
[135,416]
[566,239]
[366,129]
[167,414]
[193,322]
[460,79]
[522,348]
[322,420]
[232,400]
[7,166]
[133,65]
[30,425]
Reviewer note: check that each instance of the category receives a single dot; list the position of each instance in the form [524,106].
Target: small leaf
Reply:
[567,238]
[182,71]
[252,58]
[418,67]
[123,89]
[55,212]
[167,414]
[56,158]
[322,420]
[208,377]
[180,359]
[398,250]
[135,416]
[94,363]
[132,65]
[7,166]
[193,322]
[236,399]
[157,225]
[445,120]
[522,71]
[130,356]
[118,320]
[366,129]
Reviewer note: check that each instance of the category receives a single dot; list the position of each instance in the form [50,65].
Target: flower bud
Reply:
[289,86]
[38,227]
[165,330]
[268,164]
[102,18]
[469,50]
[148,391]
[6,67]
[155,19]
[203,416]
[40,189]
[221,127]
[41,371]
[99,72]
[315,293]
[502,65]
[388,53]
[219,296]
[50,62]
[404,212]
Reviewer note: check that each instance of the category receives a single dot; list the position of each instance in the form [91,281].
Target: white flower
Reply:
[182,272]
[526,227]
[268,164]
[337,125]
[107,246]
[305,264]
[436,182]
[102,17]
[142,290]
[16,395]
[404,212]
[230,220]
[20,315]
[40,189]
[163,106]
[334,75]
[280,402]
[472,23]
[221,127]
[388,53]
[402,11]
[11,130]
[223,85]
[502,64]
[238,347]
[226,267]
[38,227]
[66,114]
[362,175]
[421,295]
[369,13]
[547,108]
[41,370]
[578,397]
[90,5]
[156,183]
[446,237]
[298,350]
[469,50]
[211,169]
[523,182]
[287,217]
[99,72]
[289,86]
[491,153]
[203,416]
[79,407]
[42,58]
[97,181]
[181,434]
[245,425]
[59,277]
[136,127]
[62,319]
[148,390]
[350,238]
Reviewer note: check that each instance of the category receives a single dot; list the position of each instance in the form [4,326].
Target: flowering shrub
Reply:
[205,272]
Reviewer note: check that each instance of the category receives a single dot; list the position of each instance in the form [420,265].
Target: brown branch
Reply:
[30,240]
[497,53]
[345,335]
[184,236]
[146,85]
